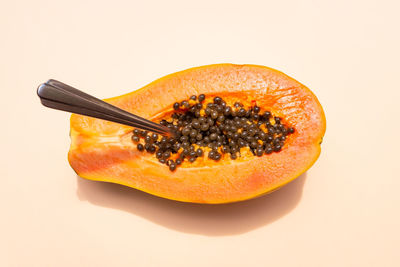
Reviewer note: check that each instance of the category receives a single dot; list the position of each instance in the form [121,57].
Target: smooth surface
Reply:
[343,212]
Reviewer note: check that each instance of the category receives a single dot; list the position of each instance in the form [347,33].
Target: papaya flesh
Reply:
[103,151]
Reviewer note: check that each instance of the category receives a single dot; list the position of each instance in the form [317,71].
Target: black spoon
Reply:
[57,95]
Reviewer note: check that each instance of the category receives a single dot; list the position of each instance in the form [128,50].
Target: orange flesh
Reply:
[103,151]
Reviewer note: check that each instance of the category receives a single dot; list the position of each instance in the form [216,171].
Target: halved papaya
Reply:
[103,151]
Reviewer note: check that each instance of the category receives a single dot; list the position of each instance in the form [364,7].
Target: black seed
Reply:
[217,156]
[136,132]
[217,100]
[193,133]
[259,152]
[277,148]
[185,144]
[192,154]
[178,161]
[192,109]
[237,105]
[151,149]
[242,143]
[184,138]
[241,112]
[185,104]
[166,154]
[172,167]
[277,120]
[267,114]
[135,138]
[143,133]
[204,127]
[193,97]
[233,156]
[159,154]
[234,149]
[227,111]
[202,97]
[176,146]
[256,109]
[186,152]
[249,139]
[226,149]
[154,136]
[176,106]
[186,130]
[271,130]
[199,152]
[197,113]
[213,129]
[290,130]
[220,118]
[162,160]
[210,121]
[164,122]
[211,154]
[207,111]
[214,114]
[148,139]
[251,132]
[206,140]
[202,120]
[192,159]
[195,124]
[140,147]
[199,136]
[213,136]
[253,144]
[268,150]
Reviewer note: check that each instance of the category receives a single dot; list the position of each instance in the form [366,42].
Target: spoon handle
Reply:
[57,95]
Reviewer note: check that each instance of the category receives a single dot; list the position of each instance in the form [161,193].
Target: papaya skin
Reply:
[102,150]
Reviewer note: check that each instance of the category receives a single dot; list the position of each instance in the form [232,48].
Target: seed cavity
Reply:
[212,131]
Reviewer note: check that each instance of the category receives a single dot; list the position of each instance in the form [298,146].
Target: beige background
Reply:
[343,212]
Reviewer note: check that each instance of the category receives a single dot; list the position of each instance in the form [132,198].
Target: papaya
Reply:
[104,151]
